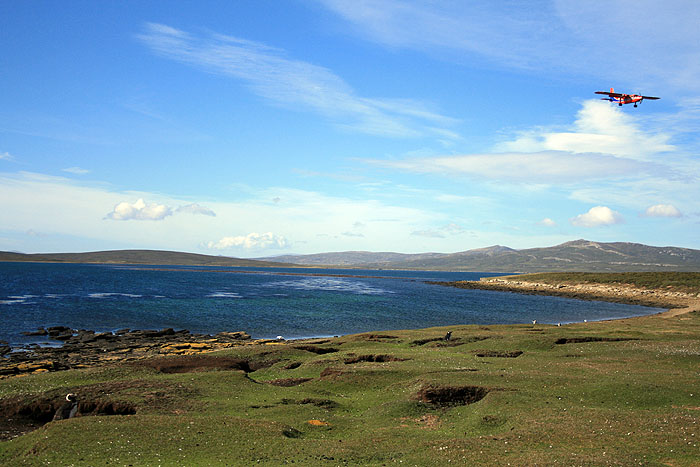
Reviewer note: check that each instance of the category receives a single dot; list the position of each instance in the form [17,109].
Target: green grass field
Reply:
[678,281]
[621,392]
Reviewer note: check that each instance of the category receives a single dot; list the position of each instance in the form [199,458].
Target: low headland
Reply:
[619,392]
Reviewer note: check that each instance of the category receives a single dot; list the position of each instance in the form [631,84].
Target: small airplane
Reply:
[621,98]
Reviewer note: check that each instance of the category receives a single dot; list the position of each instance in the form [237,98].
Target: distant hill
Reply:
[349,258]
[578,255]
[138,257]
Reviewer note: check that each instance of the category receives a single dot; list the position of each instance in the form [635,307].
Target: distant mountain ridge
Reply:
[577,255]
[152,257]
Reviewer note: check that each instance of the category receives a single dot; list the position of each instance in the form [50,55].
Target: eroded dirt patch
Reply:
[323,403]
[373,358]
[316,350]
[376,337]
[452,342]
[576,340]
[288,382]
[332,373]
[18,416]
[195,363]
[448,396]
[498,353]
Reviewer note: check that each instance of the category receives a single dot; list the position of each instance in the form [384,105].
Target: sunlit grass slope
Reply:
[606,393]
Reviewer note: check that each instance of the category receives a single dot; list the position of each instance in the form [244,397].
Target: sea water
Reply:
[265,302]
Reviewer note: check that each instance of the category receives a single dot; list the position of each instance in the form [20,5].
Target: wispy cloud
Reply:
[550,167]
[295,83]
[195,208]
[142,211]
[76,170]
[662,39]
[601,143]
[6,156]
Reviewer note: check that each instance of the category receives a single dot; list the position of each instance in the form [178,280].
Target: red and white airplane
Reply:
[621,98]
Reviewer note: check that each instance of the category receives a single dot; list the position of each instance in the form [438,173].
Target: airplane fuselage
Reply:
[621,98]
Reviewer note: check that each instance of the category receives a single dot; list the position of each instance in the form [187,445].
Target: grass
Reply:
[620,393]
[677,281]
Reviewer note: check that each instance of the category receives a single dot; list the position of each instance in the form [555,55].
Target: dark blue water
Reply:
[265,303]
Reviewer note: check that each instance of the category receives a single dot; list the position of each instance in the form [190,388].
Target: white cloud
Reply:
[6,155]
[139,210]
[663,40]
[296,84]
[76,170]
[598,216]
[662,210]
[353,234]
[602,143]
[537,167]
[547,222]
[599,128]
[71,213]
[251,241]
[428,233]
[195,208]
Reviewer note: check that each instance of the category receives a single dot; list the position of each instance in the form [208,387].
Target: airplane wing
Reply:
[652,98]
[611,94]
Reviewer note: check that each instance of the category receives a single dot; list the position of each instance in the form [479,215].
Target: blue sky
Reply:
[257,128]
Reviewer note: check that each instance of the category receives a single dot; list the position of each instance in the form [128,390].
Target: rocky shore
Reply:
[84,348]
[618,293]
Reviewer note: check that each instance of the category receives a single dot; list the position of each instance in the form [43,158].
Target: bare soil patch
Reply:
[373,358]
[316,350]
[576,340]
[19,416]
[376,337]
[498,353]
[195,363]
[447,396]
[323,403]
[288,382]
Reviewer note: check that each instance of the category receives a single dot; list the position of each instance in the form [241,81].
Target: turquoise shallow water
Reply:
[263,302]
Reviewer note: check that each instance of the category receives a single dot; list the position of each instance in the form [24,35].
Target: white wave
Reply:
[11,302]
[113,294]
[331,284]
[224,295]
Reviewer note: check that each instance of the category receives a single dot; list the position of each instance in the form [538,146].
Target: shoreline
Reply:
[84,349]
[626,294]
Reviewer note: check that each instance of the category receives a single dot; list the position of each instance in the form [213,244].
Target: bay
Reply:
[265,302]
